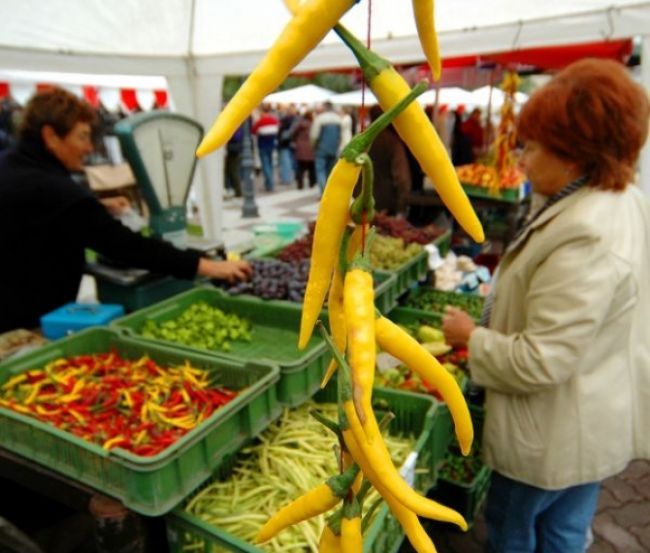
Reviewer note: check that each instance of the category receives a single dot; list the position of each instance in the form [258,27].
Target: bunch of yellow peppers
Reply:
[338,265]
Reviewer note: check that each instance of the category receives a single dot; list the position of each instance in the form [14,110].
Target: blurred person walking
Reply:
[288,121]
[266,130]
[303,150]
[325,135]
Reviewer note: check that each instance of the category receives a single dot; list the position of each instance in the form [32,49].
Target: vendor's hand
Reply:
[116,205]
[230,271]
[457,327]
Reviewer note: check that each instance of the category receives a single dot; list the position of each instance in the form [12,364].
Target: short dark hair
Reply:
[57,108]
[591,113]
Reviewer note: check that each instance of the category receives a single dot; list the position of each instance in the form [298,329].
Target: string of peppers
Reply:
[340,262]
[114,402]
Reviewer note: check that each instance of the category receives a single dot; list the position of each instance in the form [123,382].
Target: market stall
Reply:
[198,408]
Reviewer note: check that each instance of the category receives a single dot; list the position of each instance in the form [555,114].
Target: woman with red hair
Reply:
[564,347]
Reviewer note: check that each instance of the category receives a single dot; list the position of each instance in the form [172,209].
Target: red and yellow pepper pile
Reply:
[115,402]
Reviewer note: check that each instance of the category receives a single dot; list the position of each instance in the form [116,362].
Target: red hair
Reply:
[591,113]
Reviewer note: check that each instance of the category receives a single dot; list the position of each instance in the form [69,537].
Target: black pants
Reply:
[306,167]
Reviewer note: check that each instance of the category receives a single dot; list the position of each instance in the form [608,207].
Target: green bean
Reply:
[292,456]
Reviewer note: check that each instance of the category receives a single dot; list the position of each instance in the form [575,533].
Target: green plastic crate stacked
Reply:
[463,483]
[148,485]
[426,300]
[414,417]
[274,337]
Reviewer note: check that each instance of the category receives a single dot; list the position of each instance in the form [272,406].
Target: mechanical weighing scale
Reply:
[160,148]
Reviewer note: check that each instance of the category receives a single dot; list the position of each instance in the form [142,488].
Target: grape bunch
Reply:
[274,279]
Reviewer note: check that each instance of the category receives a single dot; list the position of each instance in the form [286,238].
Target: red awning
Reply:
[161,98]
[91,94]
[548,57]
[129,99]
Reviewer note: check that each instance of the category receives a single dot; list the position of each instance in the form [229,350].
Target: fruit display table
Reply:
[512,204]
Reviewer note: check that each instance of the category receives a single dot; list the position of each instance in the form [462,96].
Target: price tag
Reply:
[408,468]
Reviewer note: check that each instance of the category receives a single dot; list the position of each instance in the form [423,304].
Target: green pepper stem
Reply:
[341,483]
[362,142]
[327,423]
[344,380]
[351,509]
[368,516]
[362,258]
[365,202]
[343,252]
[371,63]
[334,522]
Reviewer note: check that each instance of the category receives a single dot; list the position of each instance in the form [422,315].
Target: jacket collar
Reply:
[36,153]
[550,213]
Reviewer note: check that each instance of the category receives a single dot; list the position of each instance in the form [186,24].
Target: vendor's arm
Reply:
[569,296]
[103,233]
[225,270]
[115,205]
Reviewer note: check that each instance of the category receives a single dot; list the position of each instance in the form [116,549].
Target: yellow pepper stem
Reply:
[365,202]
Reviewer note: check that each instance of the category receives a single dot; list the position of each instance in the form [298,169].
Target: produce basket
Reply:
[148,485]
[385,289]
[414,416]
[466,495]
[408,274]
[507,195]
[274,337]
[443,435]
[425,300]
[443,242]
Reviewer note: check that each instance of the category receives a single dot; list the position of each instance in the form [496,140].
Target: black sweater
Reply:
[46,222]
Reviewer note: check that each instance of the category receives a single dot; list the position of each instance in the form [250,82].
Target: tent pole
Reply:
[644,160]
[199,97]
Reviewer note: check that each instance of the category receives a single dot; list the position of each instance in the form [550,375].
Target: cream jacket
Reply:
[566,360]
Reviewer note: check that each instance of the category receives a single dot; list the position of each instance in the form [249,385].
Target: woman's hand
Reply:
[457,327]
[115,205]
[230,271]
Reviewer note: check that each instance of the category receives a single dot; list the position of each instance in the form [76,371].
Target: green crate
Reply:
[443,242]
[148,485]
[439,298]
[414,415]
[465,497]
[506,195]
[274,337]
[408,274]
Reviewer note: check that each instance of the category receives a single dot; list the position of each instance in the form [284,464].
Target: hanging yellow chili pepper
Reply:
[417,132]
[305,30]
[333,215]
[413,125]
[351,538]
[316,501]
[329,541]
[423,10]
[370,453]
[359,305]
[336,314]
[398,343]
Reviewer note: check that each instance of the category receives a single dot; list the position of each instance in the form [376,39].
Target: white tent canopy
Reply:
[194,43]
[306,94]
